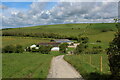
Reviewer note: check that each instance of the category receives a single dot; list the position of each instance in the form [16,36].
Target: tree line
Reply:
[39,49]
[38,34]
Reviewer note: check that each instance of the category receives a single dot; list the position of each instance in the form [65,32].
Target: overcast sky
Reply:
[20,14]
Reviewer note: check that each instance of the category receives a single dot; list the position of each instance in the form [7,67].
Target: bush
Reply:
[19,49]
[99,41]
[86,46]
[45,49]
[12,49]
[104,30]
[96,50]
[9,49]
[63,47]
[79,49]
[83,39]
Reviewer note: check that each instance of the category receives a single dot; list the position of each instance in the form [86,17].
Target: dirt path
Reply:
[61,69]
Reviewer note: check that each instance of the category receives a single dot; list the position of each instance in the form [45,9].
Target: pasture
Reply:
[26,65]
[66,29]
[89,63]
[24,41]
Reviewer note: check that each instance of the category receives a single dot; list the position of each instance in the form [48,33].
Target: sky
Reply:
[23,14]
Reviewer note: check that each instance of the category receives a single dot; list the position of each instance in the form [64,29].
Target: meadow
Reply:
[24,41]
[88,65]
[66,29]
[26,65]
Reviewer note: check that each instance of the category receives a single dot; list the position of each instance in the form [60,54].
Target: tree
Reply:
[114,56]
[83,39]
[79,49]
[9,49]
[96,50]
[63,47]
[19,49]
[45,49]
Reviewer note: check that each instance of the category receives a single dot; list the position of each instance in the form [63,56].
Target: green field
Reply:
[66,29]
[89,63]
[24,41]
[26,65]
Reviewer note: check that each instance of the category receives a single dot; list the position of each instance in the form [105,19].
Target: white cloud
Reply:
[63,12]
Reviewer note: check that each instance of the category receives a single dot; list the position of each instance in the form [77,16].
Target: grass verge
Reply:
[88,65]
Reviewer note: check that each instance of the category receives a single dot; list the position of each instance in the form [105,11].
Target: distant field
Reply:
[66,29]
[26,65]
[24,41]
[85,66]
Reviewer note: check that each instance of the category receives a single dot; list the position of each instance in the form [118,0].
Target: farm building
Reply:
[54,44]
[55,49]
[62,41]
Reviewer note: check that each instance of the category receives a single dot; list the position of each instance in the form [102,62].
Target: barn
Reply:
[62,41]
[54,44]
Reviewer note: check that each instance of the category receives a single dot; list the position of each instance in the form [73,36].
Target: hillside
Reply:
[95,31]
[65,29]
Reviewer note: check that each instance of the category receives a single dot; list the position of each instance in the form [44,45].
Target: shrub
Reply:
[99,41]
[83,39]
[86,46]
[63,47]
[9,49]
[104,30]
[19,49]
[79,49]
[34,50]
[45,49]
[96,50]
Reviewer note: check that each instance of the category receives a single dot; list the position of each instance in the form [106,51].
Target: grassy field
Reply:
[89,63]
[24,41]
[26,65]
[67,29]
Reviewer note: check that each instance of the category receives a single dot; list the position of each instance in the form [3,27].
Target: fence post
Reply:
[101,64]
[90,59]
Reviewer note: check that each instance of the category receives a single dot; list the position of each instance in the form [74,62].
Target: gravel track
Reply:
[62,69]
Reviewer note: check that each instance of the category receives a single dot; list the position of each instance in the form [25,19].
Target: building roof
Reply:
[55,49]
[49,43]
[62,40]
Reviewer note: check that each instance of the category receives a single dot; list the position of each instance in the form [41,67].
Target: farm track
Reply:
[61,69]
